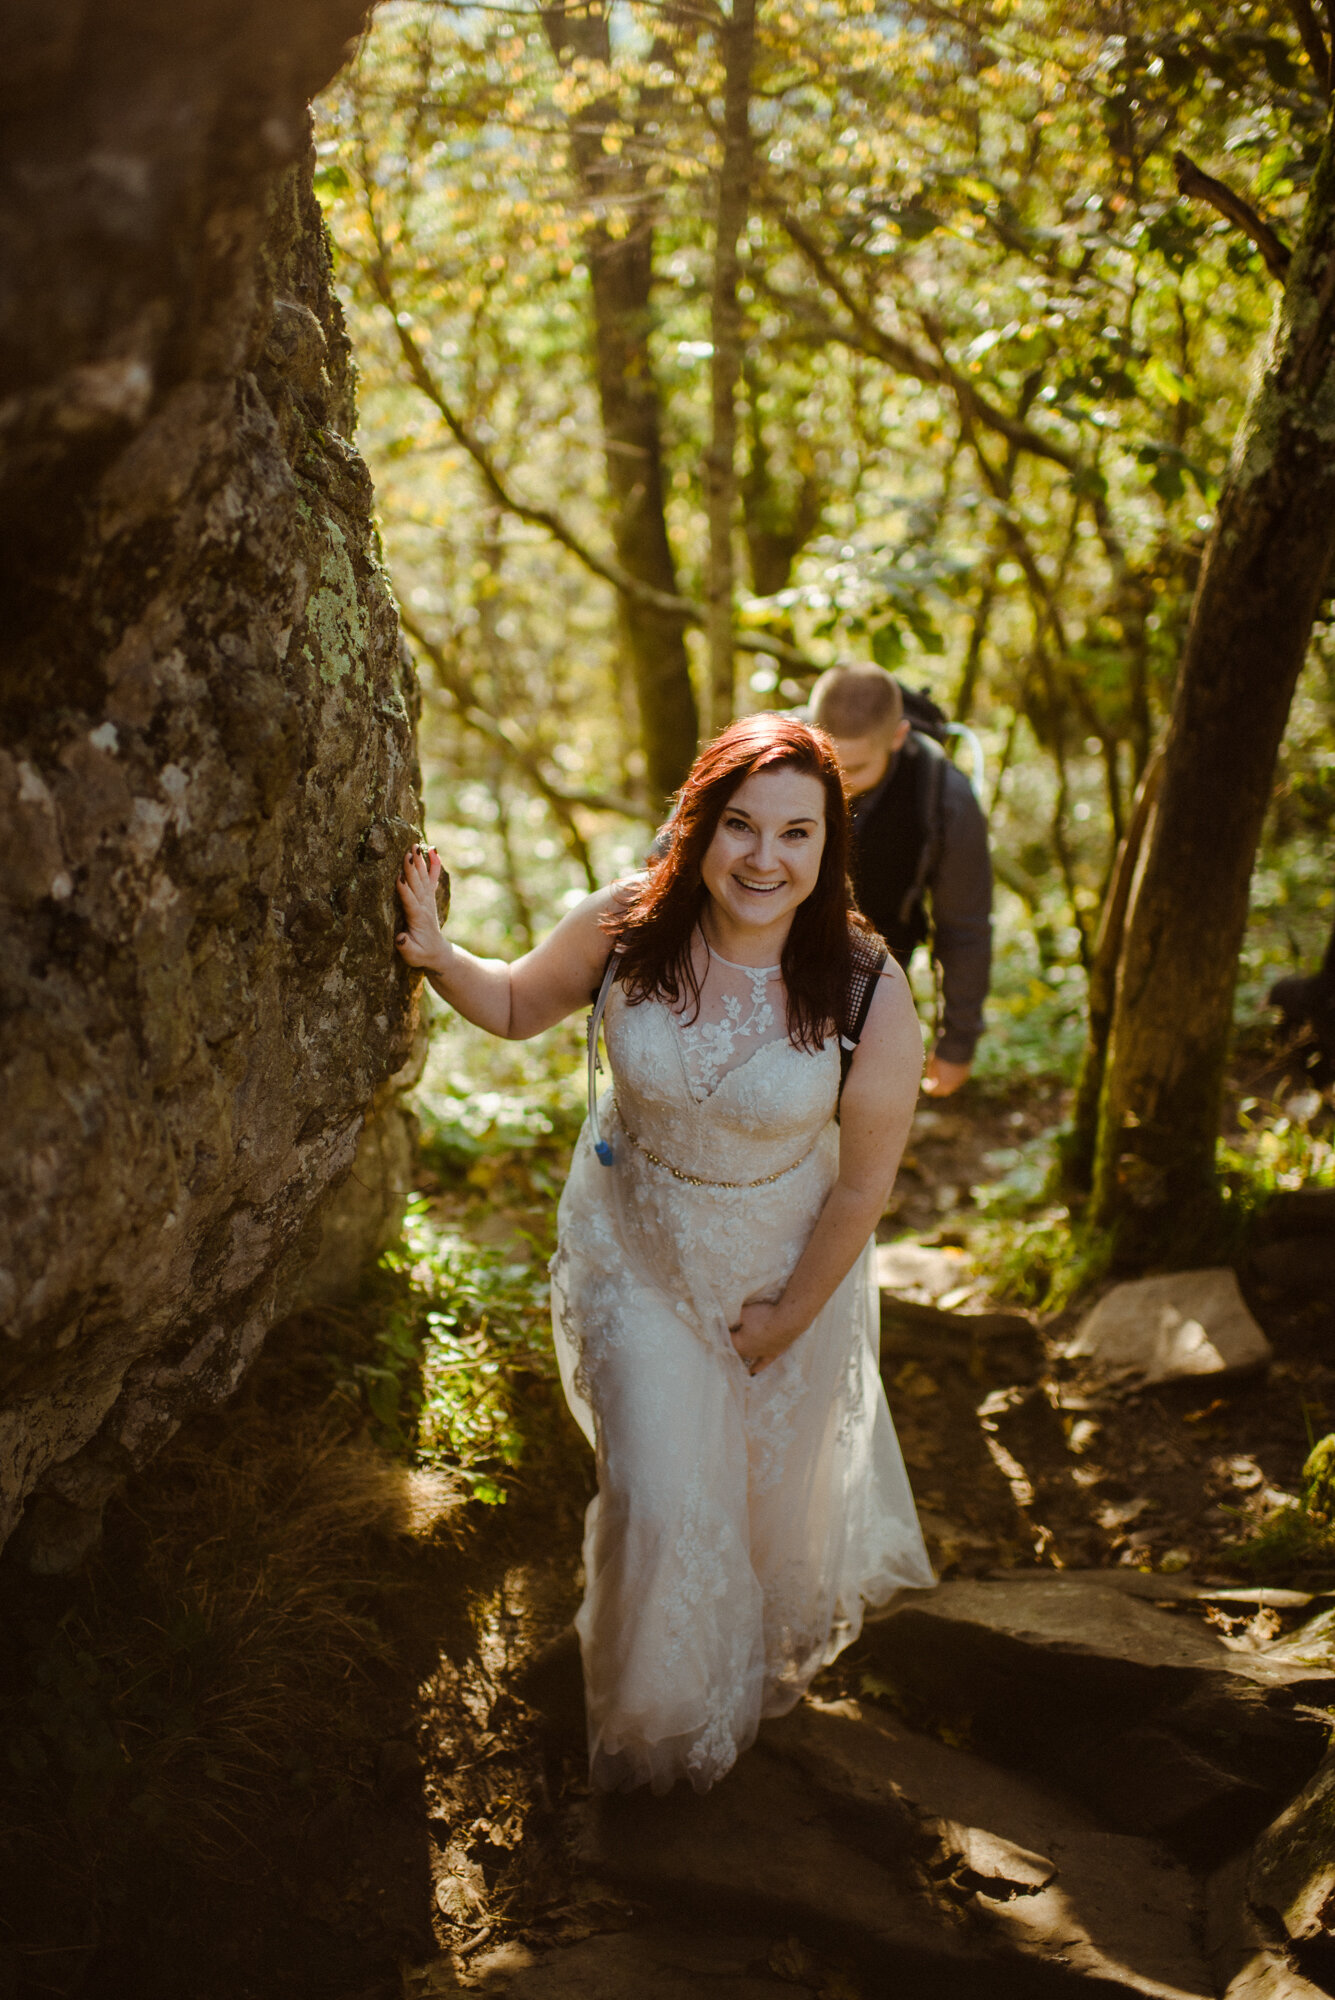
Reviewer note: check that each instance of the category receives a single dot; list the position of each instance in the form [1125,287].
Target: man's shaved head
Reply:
[860,700]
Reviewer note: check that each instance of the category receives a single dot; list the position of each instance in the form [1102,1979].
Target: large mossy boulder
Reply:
[208,764]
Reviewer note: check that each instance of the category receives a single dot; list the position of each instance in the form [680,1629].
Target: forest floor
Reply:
[391,1814]
[1009,1465]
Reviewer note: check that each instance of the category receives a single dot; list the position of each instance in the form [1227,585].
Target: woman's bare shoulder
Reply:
[894,972]
[893,1013]
[613,899]
[627,889]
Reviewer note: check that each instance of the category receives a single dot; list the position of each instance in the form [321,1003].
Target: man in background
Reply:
[920,859]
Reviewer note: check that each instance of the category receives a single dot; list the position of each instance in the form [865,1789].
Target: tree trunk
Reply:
[621,273]
[1079,1143]
[622,276]
[1260,586]
[734,195]
[778,518]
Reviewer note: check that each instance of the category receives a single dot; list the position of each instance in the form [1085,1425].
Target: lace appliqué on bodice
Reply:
[728,1025]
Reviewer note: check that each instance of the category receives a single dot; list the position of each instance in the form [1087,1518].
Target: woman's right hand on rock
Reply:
[420,942]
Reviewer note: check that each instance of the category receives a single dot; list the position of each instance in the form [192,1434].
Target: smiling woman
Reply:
[713,1295]
[764,859]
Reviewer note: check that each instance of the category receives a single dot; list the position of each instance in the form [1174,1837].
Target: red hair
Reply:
[657,929]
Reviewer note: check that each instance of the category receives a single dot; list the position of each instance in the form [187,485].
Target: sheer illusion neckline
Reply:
[727,1029]
[755,971]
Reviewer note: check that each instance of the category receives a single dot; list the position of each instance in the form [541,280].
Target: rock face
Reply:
[208,767]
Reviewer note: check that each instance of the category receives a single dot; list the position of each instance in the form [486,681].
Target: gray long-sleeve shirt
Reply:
[960,891]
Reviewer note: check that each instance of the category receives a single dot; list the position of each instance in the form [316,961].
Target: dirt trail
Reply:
[439,1835]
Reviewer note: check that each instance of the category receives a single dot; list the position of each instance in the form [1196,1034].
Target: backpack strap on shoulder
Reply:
[861,992]
[931,763]
[602,1149]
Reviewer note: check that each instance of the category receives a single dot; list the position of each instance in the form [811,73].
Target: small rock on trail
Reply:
[1162,1329]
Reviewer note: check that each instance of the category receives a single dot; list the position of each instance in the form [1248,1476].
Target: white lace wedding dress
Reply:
[742,1522]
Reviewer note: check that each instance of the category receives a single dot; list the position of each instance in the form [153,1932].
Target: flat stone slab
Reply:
[1168,1328]
[1144,1712]
[1027,1867]
[1181,1588]
[1087,1617]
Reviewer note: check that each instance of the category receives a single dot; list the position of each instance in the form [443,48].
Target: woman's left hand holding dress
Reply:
[875,1114]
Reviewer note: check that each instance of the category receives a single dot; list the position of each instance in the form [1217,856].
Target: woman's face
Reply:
[765,855]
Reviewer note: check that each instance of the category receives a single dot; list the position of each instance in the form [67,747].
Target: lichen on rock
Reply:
[209,768]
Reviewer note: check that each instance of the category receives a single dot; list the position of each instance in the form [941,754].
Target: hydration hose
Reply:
[600,1145]
[978,774]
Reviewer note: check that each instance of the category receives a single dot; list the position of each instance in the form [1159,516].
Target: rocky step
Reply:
[927,1869]
[1290,1880]
[662,1961]
[914,1860]
[1140,1711]
[1148,1747]
[1306,1211]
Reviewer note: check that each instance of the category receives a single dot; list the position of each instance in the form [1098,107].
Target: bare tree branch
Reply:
[460,689]
[543,517]
[1313,41]
[906,359]
[1199,186]
[611,572]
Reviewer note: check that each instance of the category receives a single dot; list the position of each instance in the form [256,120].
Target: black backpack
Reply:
[929,727]
[926,716]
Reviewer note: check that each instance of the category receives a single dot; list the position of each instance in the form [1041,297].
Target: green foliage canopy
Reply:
[993,367]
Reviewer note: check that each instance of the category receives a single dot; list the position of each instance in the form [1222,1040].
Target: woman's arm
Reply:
[514,1001]
[875,1114]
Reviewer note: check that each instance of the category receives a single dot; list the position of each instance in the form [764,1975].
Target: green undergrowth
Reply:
[1035,1029]
[1295,1543]
[1284,1143]
[1036,1251]
[1039,1252]
[464,1375]
[451,1358]
[1035,1011]
[499,1118]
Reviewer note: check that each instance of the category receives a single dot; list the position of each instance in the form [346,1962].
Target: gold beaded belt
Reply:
[694,1180]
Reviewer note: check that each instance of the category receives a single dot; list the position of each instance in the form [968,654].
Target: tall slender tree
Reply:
[1266,568]
[620,244]
[738,35]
